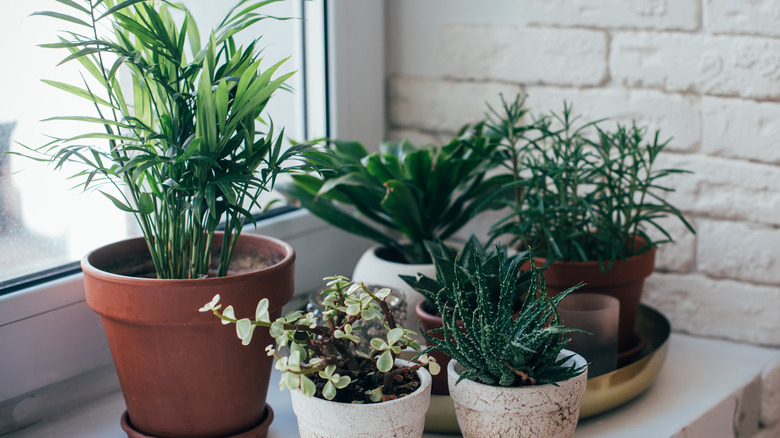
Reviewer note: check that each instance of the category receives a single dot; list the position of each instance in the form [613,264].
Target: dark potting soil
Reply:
[405,383]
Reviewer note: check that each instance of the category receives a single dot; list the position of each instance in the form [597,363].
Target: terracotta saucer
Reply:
[259,431]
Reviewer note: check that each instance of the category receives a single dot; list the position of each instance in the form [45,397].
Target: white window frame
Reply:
[51,342]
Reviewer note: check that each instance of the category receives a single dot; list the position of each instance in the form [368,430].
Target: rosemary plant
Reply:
[579,192]
[179,144]
[403,194]
[323,356]
[496,344]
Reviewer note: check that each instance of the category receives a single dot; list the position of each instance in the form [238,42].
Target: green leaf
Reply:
[307,386]
[400,200]
[145,204]
[76,91]
[329,391]
[118,204]
[385,362]
[64,17]
[395,335]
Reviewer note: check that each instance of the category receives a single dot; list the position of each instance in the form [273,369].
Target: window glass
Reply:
[43,221]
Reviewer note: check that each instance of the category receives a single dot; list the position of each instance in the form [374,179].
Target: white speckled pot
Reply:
[541,411]
[401,418]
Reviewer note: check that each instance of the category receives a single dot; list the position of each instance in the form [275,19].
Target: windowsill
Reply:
[697,394]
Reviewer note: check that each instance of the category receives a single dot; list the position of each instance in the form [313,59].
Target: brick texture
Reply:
[760,17]
[676,116]
[728,309]
[644,14]
[742,129]
[718,65]
[741,251]
[441,106]
[542,55]
[725,189]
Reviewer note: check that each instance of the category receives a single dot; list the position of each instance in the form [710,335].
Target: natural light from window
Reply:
[43,224]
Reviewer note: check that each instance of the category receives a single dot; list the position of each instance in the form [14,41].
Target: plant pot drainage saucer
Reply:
[259,431]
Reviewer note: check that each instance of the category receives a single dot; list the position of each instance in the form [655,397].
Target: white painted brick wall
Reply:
[742,17]
[637,14]
[704,72]
[683,62]
[739,250]
[544,55]
[741,129]
[737,310]
[435,105]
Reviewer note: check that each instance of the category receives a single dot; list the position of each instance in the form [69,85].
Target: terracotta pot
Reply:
[403,417]
[182,372]
[429,322]
[539,411]
[625,281]
[376,267]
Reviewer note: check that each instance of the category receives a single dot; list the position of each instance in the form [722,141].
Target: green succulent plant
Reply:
[496,344]
[575,191]
[177,139]
[402,195]
[324,358]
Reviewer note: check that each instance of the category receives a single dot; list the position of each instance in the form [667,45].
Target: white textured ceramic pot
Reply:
[372,268]
[403,417]
[540,411]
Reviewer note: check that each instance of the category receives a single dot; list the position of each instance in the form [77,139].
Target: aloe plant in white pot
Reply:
[509,374]
[177,144]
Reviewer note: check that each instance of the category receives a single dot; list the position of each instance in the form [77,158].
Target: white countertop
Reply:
[699,376]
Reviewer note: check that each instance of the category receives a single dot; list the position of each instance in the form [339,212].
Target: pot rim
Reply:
[425,383]
[88,268]
[373,252]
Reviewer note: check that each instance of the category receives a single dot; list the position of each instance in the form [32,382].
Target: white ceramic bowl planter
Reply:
[375,270]
[403,417]
[539,411]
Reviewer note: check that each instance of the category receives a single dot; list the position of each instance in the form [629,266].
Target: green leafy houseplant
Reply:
[425,193]
[577,192]
[495,344]
[179,144]
[323,359]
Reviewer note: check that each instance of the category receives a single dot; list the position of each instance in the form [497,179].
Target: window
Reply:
[45,224]
[48,335]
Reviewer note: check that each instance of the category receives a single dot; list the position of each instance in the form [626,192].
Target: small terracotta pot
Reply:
[403,417]
[625,281]
[374,267]
[182,372]
[429,322]
[539,411]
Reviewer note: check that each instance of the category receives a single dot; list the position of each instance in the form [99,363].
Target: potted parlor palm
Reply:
[339,389]
[510,374]
[399,197]
[588,201]
[175,143]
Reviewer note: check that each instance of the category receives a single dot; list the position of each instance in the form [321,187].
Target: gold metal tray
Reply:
[613,389]
[603,392]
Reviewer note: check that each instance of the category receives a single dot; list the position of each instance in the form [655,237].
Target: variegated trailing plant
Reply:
[496,343]
[178,137]
[323,357]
